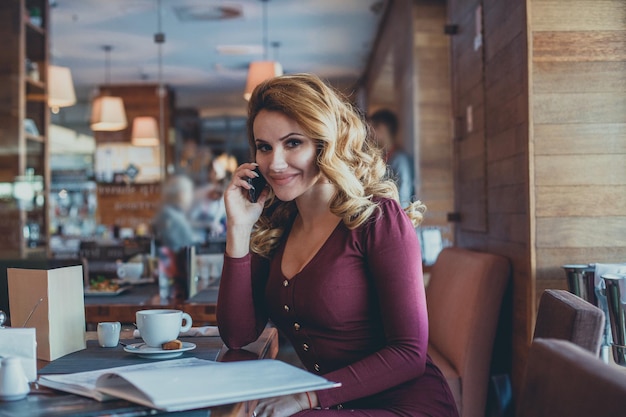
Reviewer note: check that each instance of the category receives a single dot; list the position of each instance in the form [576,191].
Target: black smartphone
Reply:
[258,184]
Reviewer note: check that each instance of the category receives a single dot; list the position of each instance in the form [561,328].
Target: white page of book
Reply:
[84,383]
[209,384]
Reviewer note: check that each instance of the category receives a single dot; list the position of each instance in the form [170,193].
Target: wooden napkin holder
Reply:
[60,315]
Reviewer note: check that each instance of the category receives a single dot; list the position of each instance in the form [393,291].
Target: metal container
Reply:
[581,281]
[619,354]
[617,313]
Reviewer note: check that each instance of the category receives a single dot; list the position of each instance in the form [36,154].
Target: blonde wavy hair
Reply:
[347,155]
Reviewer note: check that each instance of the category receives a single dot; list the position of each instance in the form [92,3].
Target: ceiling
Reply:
[208,45]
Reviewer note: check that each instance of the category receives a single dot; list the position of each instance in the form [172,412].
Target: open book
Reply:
[186,384]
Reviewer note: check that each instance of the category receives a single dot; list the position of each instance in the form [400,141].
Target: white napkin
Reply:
[194,331]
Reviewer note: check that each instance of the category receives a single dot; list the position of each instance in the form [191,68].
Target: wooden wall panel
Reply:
[581,46]
[581,232]
[582,108]
[432,104]
[579,77]
[576,170]
[584,139]
[551,259]
[592,15]
[578,69]
[582,200]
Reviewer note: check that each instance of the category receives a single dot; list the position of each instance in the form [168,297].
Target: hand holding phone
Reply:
[258,184]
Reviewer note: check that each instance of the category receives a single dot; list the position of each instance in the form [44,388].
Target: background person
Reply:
[171,226]
[385,124]
[335,261]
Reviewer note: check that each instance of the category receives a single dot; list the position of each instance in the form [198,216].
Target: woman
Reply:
[335,261]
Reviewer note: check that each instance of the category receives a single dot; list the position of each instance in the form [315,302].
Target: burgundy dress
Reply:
[355,314]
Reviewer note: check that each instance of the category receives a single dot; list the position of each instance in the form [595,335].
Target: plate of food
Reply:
[101,286]
[105,293]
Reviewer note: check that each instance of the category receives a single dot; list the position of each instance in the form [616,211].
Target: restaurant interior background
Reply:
[514,111]
[201,68]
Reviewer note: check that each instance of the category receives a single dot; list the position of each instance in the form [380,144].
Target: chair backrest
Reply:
[563,379]
[563,315]
[464,296]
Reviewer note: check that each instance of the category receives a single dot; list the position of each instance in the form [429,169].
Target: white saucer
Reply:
[145,351]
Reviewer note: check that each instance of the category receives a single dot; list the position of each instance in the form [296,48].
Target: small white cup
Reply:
[13,383]
[159,326]
[130,270]
[109,333]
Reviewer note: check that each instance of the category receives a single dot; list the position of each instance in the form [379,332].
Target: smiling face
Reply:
[286,156]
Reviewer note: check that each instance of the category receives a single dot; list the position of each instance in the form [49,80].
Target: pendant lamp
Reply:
[107,113]
[145,131]
[60,88]
[260,71]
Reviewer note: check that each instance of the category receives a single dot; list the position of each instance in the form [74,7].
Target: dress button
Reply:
[305,347]
[286,283]
[316,367]
[286,307]
[296,326]
[339,407]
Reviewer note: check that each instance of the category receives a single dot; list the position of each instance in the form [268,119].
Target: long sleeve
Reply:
[394,262]
[241,312]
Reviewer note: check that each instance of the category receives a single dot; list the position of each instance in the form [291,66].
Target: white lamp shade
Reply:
[108,114]
[260,71]
[145,131]
[60,88]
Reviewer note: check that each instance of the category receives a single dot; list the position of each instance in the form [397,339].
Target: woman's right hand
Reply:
[240,211]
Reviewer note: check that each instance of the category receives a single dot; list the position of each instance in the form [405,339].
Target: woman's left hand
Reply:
[284,406]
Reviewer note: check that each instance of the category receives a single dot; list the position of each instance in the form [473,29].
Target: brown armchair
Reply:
[563,379]
[464,295]
[563,315]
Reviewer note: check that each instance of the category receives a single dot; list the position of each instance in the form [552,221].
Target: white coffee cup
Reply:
[109,333]
[130,270]
[159,326]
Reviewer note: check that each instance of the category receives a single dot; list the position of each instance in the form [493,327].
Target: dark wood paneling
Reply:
[507,143]
[503,83]
[505,22]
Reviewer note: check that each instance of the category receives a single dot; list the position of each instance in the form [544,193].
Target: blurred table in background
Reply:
[123,307]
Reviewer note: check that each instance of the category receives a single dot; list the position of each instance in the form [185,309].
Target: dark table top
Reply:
[44,402]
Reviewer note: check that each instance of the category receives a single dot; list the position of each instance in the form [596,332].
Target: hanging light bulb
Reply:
[260,71]
[107,113]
